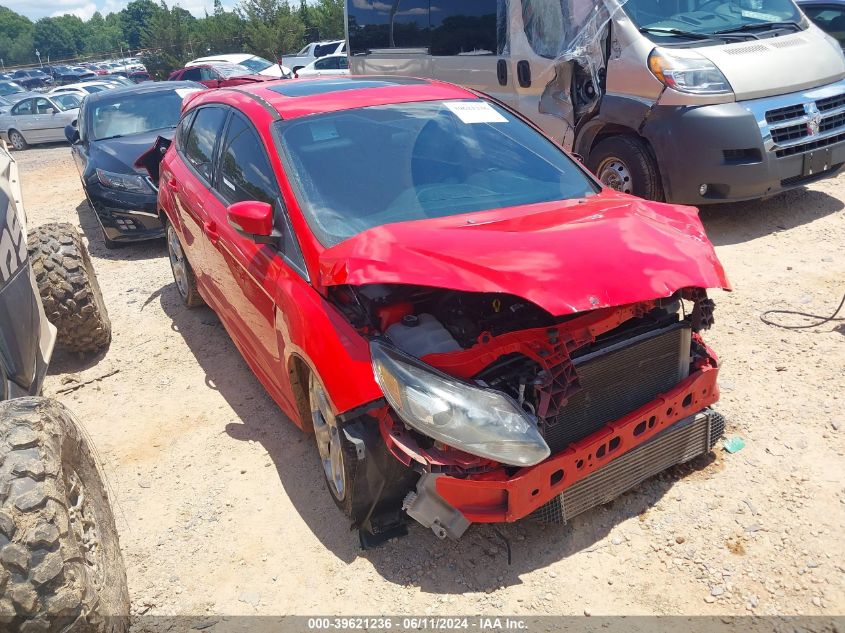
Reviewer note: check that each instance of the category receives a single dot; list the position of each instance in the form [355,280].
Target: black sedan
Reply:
[114,129]
[32,78]
[829,16]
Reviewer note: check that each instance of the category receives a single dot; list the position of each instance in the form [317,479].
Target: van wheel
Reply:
[60,565]
[17,140]
[72,298]
[624,163]
[183,274]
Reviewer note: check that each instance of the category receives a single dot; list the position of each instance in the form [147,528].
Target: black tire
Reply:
[68,286]
[625,163]
[17,140]
[352,499]
[60,562]
[185,279]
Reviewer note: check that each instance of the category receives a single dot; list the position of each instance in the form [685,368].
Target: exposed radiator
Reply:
[681,442]
[618,379]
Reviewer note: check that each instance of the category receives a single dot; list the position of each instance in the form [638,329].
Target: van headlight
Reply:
[687,71]
[479,421]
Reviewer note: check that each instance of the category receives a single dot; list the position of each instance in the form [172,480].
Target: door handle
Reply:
[502,72]
[210,230]
[173,184]
[523,74]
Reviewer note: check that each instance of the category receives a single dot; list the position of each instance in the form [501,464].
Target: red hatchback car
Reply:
[217,75]
[473,329]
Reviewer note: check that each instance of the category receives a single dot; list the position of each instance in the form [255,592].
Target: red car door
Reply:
[244,270]
[188,175]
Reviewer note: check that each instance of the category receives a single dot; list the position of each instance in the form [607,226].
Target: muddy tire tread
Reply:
[68,287]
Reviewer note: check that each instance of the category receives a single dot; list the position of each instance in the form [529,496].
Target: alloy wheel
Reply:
[17,140]
[177,261]
[329,441]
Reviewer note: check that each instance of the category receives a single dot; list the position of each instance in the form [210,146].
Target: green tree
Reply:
[136,20]
[327,17]
[55,39]
[104,36]
[271,26]
[16,46]
[168,39]
[220,32]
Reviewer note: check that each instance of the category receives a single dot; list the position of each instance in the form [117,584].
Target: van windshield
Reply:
[359,169]
[669,18]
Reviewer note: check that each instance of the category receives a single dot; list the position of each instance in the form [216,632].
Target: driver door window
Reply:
[209,74]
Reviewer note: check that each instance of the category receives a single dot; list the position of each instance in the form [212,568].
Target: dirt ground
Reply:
[222,509]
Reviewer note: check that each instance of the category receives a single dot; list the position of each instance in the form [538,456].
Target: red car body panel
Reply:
[609,250]
[569,257]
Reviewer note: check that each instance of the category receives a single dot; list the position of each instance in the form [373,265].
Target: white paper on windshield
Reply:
[757,15]
[474,112]
[184,92]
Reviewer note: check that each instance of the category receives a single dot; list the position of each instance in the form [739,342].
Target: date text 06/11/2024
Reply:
[427,623]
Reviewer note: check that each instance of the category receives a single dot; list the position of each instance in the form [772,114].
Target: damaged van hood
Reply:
[565,257]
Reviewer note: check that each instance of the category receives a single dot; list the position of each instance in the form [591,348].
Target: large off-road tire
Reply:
[60,562]
[68,286]
[625,163]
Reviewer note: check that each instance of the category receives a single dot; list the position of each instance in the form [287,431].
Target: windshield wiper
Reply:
[678,32]
[759,25]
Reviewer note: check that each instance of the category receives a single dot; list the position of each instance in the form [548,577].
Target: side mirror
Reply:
[71,134]
[49,111]
[254,220]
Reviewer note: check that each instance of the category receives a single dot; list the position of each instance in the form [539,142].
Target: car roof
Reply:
[144,88]
[293,98]
[228,57]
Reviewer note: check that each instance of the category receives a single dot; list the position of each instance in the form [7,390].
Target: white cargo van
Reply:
[692,101]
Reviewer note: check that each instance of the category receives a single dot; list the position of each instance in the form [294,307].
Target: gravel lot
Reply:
[221,506]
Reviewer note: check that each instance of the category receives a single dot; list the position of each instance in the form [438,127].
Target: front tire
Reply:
[17,140]
[68,286]
[60,564]
[625,163]
[183,274]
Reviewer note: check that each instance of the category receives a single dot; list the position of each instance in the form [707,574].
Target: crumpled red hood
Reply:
[566,257]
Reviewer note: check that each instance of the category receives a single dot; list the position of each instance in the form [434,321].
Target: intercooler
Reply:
[618,379]
[681,442]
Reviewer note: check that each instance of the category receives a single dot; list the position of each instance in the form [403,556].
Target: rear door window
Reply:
[191,74]
[199,146]
[23,108]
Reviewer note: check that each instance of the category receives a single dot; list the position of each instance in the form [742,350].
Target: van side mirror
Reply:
[72,134]
[254,220]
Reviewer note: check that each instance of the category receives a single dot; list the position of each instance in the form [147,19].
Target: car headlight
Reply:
[123,182]
[687,71]
[479,421]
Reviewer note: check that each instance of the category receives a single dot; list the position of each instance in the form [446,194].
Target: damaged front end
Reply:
[500,420]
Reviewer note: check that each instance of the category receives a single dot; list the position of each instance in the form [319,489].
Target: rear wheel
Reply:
[624,163]
[17,140]
[68,287]
[183,274]
[60,562]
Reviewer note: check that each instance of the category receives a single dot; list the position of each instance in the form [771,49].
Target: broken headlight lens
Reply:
[123,182]
[687,71]
[479,421]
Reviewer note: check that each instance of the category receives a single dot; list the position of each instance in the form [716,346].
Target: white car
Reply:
[39,120]
[314,51]
[84,89]
[328,65]
[256,65]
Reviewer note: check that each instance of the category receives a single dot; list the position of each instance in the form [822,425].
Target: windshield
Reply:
[232,70]
[708,16]
[132,113]
[10,88]
[359,169]
[256,64]
[66,101]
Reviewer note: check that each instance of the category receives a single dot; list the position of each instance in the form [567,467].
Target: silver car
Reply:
[39,119]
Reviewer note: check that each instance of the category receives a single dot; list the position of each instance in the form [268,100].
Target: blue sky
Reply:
[34,9]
